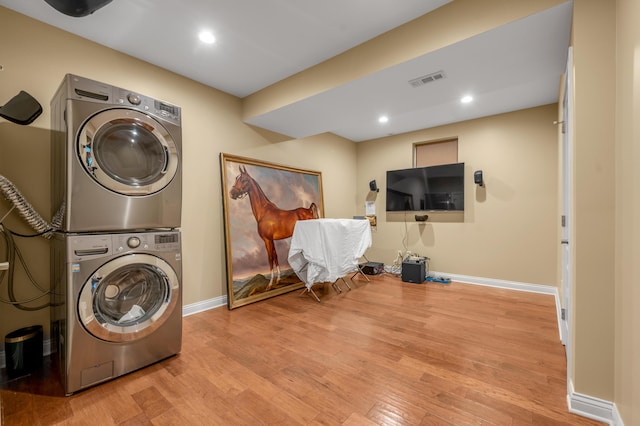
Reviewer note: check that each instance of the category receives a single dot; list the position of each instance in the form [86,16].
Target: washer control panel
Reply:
[147,241]
[92,245]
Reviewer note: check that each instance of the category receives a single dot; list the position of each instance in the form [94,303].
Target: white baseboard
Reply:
[617,420]
[593,408]
[491,282]
[205,305]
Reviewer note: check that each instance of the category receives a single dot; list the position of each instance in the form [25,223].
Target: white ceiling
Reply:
[261,42]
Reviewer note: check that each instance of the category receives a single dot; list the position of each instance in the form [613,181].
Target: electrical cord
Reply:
[39,234]
[13,253]
[397,263]
[26,210]
[405,239]
[396,268]
[405,243]
[42,228]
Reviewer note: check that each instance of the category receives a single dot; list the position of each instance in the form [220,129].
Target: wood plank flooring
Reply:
[384,353]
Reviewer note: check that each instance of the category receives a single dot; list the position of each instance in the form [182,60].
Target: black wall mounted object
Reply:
[77,8]
[477,178]
[21,109]
[431,188]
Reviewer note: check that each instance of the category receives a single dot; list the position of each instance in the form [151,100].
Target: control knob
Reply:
[133,242]
[134,99]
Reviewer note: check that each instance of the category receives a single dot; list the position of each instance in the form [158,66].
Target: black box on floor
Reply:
[372,268]
[413,271]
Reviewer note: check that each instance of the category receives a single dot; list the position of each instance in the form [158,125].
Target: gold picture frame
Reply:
[261,202]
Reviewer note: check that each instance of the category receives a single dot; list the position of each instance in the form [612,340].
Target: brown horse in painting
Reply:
[273,222]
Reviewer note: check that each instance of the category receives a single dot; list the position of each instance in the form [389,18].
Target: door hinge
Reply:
[563,314]
[563,220]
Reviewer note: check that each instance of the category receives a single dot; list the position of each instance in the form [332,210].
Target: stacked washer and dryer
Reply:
[116,265]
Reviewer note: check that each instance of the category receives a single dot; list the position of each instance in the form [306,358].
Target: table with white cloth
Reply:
[325,250]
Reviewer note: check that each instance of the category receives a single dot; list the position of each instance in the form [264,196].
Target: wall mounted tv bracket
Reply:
[21,109]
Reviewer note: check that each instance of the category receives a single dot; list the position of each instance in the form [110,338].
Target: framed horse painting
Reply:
[262,203]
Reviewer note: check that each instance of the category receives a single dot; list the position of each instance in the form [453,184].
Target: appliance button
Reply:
[133,242]
[134,99]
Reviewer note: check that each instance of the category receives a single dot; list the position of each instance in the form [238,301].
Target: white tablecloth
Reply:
[324,250]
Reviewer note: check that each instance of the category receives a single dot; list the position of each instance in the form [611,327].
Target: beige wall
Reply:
[509,227]
[593,198]
[35,57]
[627,301]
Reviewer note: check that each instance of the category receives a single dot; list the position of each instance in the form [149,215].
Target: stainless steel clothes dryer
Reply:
[116,158]
[117,304]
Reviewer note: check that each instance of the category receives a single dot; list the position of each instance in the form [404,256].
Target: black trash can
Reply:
[23,350]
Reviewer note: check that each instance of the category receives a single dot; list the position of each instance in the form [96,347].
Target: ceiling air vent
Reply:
[429,78]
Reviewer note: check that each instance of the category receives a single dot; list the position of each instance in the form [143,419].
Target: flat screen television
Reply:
[439,188]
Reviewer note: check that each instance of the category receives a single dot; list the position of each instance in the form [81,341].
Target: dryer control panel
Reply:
[158,108]
[85,89]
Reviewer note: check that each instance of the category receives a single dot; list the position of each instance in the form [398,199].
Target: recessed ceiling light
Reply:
[206,37]
[466,99]
[383,119]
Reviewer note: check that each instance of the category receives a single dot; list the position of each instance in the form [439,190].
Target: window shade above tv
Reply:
[426,188]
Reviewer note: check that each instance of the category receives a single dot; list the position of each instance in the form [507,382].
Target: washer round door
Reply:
[128,298]
[128,152]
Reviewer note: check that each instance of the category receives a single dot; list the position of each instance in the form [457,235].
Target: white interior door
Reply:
[567,184]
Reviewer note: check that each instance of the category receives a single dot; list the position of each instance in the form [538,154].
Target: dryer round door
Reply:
[128,152]
[128,298]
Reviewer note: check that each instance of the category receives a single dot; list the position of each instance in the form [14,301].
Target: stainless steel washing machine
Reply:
[116,304]
[115,158]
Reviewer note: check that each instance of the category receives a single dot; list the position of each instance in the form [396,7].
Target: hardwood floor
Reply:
[385,353]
